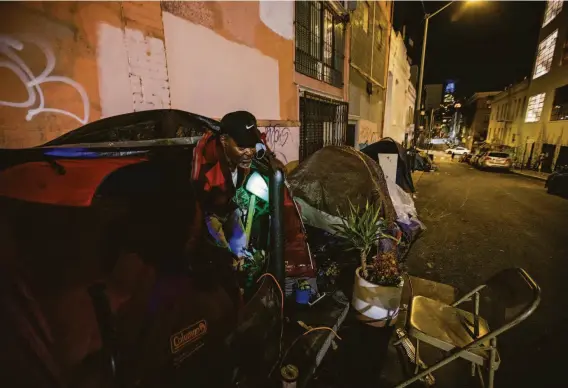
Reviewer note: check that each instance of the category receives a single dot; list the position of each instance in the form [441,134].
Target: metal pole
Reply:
[431,122]
[276,203]
[418,109]
[430,129]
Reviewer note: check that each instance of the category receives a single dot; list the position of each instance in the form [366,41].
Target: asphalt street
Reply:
[482,222]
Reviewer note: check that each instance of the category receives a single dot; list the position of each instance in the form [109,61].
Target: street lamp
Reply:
[427,18]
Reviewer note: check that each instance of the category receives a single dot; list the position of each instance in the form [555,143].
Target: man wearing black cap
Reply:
[221,163]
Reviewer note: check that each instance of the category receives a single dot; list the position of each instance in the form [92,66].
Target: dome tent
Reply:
[403,170]
[328,180]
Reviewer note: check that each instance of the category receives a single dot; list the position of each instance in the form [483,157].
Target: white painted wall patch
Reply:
[279,17]
[218,76]
[133,73]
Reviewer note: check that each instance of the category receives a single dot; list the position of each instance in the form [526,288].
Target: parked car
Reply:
[495,160]
[557,182]
[458,151]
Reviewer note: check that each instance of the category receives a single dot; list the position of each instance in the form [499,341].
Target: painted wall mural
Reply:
[10,47]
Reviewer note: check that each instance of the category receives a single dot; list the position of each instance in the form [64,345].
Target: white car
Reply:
[458,151]
[496,160]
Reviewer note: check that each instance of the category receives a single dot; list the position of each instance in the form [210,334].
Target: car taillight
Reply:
[509,161]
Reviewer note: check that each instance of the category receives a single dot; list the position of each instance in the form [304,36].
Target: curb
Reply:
[529,175]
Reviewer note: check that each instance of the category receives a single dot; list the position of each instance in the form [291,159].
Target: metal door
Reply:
[350,139]
[548,151]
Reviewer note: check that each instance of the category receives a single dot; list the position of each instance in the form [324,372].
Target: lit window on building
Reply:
[560,104]
[553,8]
[534,108]
[545,54]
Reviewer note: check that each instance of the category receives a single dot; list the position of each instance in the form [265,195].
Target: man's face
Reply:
[238,156]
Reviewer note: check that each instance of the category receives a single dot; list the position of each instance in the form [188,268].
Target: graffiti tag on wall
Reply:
[283,141]
[367,133]
[35,103]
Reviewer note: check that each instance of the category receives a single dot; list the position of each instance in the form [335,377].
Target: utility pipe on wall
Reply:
[373,41]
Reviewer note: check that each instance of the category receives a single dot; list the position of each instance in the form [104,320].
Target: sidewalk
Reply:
[543,176]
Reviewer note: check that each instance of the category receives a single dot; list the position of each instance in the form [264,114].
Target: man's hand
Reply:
[238,264]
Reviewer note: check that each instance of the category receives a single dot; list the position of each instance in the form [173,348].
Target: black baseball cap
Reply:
[241,127]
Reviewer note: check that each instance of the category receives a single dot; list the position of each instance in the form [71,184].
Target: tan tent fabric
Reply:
[332,176]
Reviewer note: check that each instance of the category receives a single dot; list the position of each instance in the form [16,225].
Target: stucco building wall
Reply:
[65,64]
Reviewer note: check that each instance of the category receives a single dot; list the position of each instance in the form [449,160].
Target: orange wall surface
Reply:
[63,64]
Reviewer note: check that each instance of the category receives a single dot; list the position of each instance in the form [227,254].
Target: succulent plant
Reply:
[384,269]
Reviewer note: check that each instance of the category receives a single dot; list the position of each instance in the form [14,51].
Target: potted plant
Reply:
[303,292]
[378,280]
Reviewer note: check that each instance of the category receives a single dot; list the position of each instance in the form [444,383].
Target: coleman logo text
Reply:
[188,335]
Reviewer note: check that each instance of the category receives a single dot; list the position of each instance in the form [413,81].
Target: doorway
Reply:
[350,139]
[548,151]
[529,160]
[562,157]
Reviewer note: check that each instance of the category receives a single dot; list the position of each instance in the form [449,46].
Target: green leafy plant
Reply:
[363,228]
[304,285]
[332,271]
[254,266]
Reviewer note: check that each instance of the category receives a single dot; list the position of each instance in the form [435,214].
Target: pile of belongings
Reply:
[422,161]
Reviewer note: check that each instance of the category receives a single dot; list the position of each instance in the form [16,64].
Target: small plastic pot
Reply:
[303,296]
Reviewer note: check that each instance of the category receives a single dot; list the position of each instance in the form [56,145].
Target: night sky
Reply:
[483,45]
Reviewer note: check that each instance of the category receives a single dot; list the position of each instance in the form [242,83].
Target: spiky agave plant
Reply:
[362,229]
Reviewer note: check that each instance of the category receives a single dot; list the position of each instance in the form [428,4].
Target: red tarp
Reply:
[40,182]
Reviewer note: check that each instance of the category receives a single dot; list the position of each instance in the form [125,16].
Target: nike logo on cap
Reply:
[249,126]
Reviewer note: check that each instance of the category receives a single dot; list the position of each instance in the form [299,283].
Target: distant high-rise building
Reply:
[449,94]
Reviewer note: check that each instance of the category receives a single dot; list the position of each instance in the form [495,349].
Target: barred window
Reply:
[545,54]
[534,109]
[553,8]
[319,42]
[560,104]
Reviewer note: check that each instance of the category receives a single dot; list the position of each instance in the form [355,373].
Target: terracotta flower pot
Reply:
[376,305]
